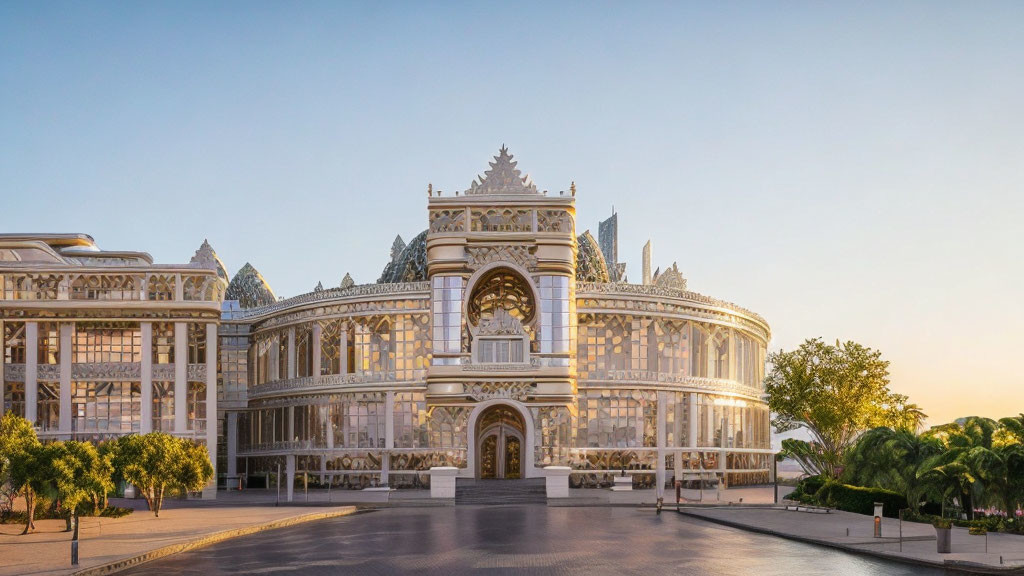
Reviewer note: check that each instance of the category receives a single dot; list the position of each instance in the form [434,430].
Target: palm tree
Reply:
[894,460]
[968,462]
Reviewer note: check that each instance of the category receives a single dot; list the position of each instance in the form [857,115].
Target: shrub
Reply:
[977,531]
[861,500]
[115,512]
[942,523]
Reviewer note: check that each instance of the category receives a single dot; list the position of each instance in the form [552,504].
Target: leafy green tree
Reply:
[19,456]
[78,475]
[835,393]
[893,459]
[158,464]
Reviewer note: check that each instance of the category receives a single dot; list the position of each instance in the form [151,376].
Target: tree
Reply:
[961,468]
[19,456]
[835,392]
[893,459]
[78,475]
[158,463]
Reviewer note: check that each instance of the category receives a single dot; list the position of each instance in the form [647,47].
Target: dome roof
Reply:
[207,258]
[250,289]
[590,264]
[409,264]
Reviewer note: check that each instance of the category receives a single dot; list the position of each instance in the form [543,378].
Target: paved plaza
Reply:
[519,540]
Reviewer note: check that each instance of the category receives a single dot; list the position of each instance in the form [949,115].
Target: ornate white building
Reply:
[497,341]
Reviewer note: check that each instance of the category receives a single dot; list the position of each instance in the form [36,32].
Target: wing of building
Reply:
[499,341]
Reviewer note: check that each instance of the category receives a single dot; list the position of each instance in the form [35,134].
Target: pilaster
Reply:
[146,373]
[211,405]
[315,343]
[180,377]
[693,424]
[66,331]
[291,353]
[31,371]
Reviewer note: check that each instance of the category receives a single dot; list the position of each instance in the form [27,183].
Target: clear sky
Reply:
[850,171]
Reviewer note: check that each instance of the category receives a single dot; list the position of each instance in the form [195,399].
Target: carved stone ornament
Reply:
[482,391]
[14,372]
[502,178]
[250,289]
[501,323]
[113,371]
[478,256]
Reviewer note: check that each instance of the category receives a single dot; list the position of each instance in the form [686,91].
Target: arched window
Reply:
[501,289]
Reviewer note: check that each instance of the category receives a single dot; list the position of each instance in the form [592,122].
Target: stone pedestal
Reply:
[623,483]
[557,481]
[442,481]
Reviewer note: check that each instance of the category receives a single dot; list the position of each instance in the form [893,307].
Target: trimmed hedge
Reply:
[860,500]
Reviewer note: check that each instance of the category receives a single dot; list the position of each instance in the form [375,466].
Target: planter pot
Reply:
[943,540]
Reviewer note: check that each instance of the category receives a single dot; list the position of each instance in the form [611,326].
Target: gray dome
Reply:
[590,264]
[409,265]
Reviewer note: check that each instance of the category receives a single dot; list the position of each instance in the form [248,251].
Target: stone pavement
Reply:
[104,541]
[854,532]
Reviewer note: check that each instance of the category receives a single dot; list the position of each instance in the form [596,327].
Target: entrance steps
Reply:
[492,492]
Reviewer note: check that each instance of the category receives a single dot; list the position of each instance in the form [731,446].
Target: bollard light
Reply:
[878,519]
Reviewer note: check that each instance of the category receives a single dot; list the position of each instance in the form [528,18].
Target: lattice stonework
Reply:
[448,220]
[502,220]
[554,221]
[160,287]
[106,287]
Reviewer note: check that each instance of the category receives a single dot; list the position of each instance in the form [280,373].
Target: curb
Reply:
[125,563]
[957,565]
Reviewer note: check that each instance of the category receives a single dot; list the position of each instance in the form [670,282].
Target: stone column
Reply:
[659,473]
[31,371]
[693,421]
[211,405]
[3,346]
[290,424]
[274,370]
[389,436]
[318,332]
[232,442]
[291,352]
[290,476]
[343,351]
[146,384]
[66,330]
[180,377]
[360,330]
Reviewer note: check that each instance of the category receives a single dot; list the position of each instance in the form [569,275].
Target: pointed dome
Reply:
[410,265]
[590,264]
[502,178]
[249,288]
[206,257]
[347,281]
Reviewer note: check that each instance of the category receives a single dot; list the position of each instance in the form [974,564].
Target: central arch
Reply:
[500,438]
[500,429]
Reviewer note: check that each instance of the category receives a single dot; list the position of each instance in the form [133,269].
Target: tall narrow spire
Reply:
[648,256]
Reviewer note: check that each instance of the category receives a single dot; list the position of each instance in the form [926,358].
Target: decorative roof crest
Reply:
[502,178]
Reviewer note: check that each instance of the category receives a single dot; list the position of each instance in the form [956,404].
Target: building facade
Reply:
[498,341]
[99,344]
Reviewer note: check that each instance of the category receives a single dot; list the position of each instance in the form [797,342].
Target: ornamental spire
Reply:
[502,178]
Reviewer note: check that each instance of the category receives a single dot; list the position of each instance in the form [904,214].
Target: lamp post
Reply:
[74,540]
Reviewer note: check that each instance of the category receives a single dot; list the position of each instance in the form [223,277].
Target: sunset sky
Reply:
[848,171]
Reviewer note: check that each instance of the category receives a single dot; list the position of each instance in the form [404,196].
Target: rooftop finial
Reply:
[573,188]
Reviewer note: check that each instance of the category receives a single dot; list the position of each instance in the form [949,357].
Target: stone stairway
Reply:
[500,492]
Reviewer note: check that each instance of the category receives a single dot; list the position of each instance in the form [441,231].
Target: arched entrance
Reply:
[500,443]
